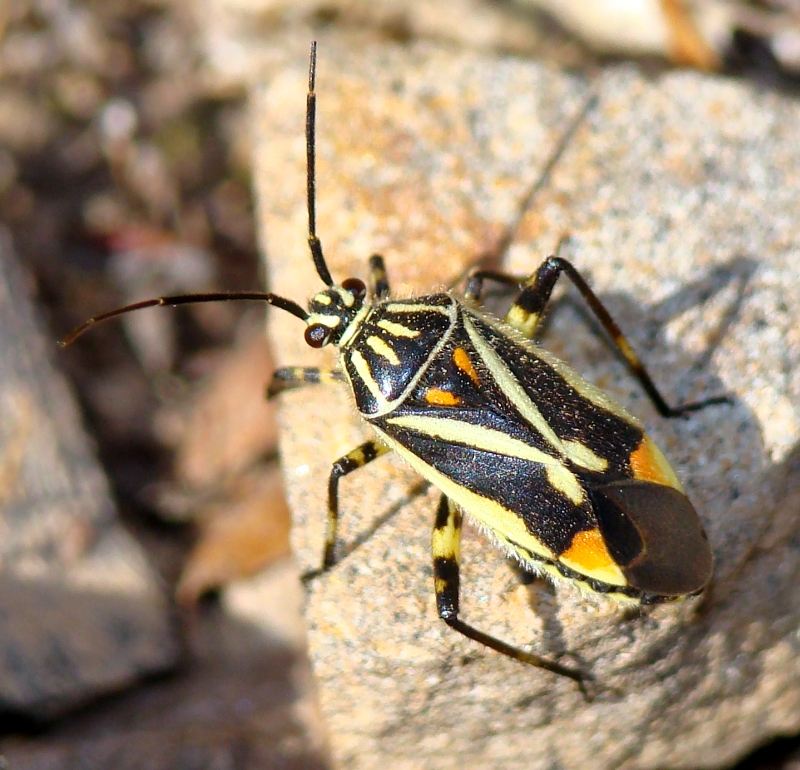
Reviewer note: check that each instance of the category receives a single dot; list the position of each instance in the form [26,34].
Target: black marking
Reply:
[519,485]
[413,353]
[447,571]
[369,452]
[569,414]
[622,539]
[446,568]
[529,302]
[343,466]
[379,281]
[442,514]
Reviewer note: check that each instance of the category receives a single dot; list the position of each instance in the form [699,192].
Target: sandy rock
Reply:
[82,612]
[680,193]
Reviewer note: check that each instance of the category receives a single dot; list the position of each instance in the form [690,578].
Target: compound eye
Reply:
[317,335]
[355,286]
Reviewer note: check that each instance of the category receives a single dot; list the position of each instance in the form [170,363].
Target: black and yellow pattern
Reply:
[564,478]
[534,453]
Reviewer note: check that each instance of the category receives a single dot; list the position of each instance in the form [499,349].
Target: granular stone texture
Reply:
[680,194]
[82,614]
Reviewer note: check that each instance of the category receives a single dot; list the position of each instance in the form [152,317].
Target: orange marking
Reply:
[648,464]
[461,360]
[588,552]
[439,397]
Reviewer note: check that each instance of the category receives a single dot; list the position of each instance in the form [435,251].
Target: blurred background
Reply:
[125,174]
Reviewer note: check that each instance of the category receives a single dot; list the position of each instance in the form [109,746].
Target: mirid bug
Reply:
[565,480]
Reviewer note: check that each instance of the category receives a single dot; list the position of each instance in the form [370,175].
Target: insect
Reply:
[565,480]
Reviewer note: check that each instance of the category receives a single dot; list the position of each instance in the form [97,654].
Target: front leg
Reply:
[291,377]
[446,549]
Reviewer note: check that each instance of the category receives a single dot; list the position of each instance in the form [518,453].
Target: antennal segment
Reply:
[187,299]
[311,112]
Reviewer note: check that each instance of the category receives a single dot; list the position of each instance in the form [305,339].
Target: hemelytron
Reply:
[566,480]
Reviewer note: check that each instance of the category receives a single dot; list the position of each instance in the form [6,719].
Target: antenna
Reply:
[311,182]
[255,296]
[187,299]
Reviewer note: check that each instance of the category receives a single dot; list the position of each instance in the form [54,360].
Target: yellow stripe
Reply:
[397,330]
[384,405]
[585,389]
[582,455]
[326,378]
[556,576]
[347,298]
[397,307]
[446,542]
[476,436]
[383,349]
[363,370]
[566,482]
[359,319]
[511,387]
[329,320]
[506,523]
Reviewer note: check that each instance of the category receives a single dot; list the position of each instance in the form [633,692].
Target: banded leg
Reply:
[476,277]
[378,282]
[353,460]
[290,377]
[446,548]
[526,313]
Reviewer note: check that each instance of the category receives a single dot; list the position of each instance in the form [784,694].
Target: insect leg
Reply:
[446,549]
[477,276]
[353,460]
[290,377]
[378,282]
[526,313]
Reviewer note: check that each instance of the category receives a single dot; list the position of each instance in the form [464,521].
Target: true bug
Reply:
[563,478]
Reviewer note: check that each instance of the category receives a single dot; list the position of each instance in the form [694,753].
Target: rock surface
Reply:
[680,193]
[82,613]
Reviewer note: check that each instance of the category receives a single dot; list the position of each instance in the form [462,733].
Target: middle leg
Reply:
[352,461]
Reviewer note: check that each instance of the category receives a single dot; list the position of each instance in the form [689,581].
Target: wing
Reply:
[560,474]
